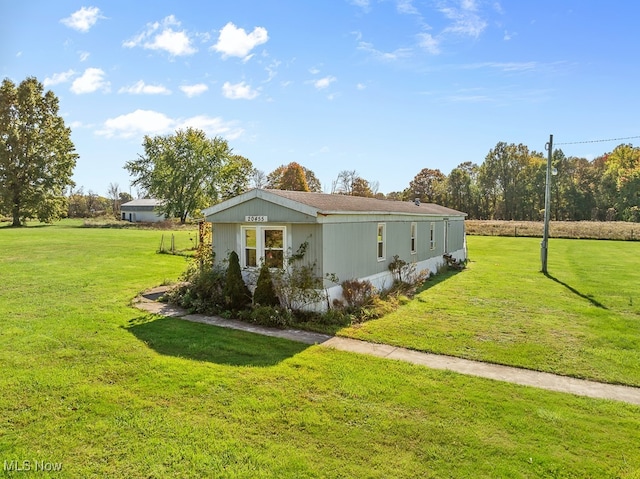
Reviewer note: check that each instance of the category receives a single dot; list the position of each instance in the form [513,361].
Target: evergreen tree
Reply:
[265,294]
[237,295]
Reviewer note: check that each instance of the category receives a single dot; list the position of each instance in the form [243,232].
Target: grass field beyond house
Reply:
[96,388]
[582,320]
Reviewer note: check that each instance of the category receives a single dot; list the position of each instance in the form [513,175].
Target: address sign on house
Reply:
[256,219]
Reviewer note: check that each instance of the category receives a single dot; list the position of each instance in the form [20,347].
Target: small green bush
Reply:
[203,294]
[335,317]
[271,316]
[265,294]
[237,295]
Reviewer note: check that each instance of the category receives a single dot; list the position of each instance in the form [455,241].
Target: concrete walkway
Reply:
[525,377]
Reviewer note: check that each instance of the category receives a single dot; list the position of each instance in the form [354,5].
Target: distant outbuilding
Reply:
[348,236]
[142,211]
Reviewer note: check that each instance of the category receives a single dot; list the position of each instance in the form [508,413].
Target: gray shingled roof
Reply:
[326,203]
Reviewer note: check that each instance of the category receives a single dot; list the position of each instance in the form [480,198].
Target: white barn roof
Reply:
[148,202]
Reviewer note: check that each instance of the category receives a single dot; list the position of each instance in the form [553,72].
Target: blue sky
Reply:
[383,87]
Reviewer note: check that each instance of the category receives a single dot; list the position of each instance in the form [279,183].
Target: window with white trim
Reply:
[382,233]
[432,236]
[414,238]
[250,246]
[263,243]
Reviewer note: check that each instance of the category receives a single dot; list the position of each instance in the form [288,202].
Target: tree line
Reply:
[190,172]
[510,185]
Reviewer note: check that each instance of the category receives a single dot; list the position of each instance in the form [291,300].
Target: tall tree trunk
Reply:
[15,212]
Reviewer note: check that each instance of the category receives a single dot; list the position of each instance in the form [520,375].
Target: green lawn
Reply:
[107,391]
[582,320]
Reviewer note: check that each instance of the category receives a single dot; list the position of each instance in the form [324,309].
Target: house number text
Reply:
[256,219]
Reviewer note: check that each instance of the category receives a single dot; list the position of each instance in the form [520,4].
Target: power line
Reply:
[597,141]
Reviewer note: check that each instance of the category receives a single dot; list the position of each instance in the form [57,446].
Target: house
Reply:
[142,211]
[350,237]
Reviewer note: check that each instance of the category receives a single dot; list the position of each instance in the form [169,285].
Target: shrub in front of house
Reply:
[271,316]
[203,293]
[265,293]
[237,295]
[357,293]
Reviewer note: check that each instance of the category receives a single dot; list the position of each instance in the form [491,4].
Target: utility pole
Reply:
[544,246]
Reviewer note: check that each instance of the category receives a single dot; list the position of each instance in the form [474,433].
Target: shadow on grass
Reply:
[10,226]
[203,342]
[437,279]
[589,298]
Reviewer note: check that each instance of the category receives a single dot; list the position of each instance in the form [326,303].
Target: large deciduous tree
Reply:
[429,185]
[503,177]
[350,183]
[37,156]
[623,171]
[293,177]
[189,171]
[462,188]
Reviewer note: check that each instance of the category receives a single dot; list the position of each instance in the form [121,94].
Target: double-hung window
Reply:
[263,243]
[414,238]
[382,233]
[273,247]
[432,236]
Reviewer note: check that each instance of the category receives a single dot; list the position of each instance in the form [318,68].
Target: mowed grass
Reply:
[582,320]
[107,391]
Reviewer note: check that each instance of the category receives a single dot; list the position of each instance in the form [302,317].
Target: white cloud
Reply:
[139,122]
[429,43]
[384,56]
[176,43]
[162,36]
[84,56]
[361,86]
[239,91]
[406,7]
[272,70]
[91,80]
[148,122]
[505,66]
[322,83]
[140,87]
[364,4]
[58,78]
[194,90]
[212,126]
[466,20]
[235,42]
[83,19]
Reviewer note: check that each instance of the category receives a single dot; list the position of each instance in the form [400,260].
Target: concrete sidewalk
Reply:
[525,377]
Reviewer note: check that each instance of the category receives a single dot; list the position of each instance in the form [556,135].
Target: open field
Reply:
[613,230]
[105,391]
[581,320]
